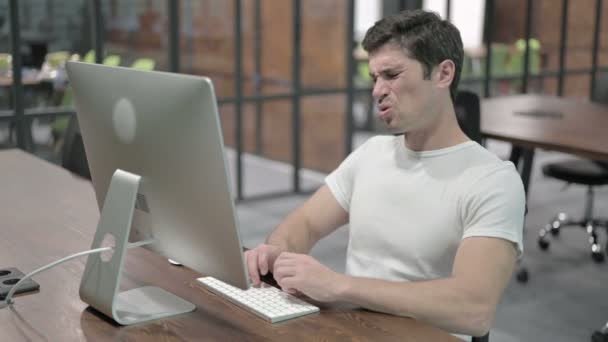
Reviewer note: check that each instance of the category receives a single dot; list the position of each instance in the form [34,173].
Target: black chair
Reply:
[468,114]
[485,338]
[600,335]
[589,173]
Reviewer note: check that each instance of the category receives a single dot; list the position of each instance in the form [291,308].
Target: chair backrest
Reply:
[602,163]
[600,95]
[468,114]
[485,338]
[145,64]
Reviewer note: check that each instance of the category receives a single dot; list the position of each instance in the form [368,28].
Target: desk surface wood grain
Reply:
[47,213]
[549,122]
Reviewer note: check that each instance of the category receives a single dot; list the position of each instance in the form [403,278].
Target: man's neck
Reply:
[443,133]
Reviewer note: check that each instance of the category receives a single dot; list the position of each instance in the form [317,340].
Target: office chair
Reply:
[600,335]
[590,173]
[485,338]
[585,172]
[468,114]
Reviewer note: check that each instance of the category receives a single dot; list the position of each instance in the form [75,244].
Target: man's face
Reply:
[405,100]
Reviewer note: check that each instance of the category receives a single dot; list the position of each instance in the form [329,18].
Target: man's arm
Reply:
[316,218]
[463,303]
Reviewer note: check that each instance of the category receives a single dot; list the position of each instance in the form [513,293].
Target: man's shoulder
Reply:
[485,165]
[483,156]
[499,176]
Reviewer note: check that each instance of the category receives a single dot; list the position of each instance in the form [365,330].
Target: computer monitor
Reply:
[165,128]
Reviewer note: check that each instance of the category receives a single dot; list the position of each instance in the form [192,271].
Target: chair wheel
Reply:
[543,244]
[597,256]
[522,276]
[599,337]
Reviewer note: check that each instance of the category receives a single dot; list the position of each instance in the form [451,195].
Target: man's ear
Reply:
[444,73]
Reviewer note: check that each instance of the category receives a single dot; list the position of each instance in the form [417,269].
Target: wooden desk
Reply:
[548,122]
[47,213]
[6,81]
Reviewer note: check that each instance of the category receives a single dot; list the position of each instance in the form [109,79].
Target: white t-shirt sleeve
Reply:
[341,180]
[495,206]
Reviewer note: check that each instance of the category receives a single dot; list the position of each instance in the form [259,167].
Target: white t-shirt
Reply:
[409,211]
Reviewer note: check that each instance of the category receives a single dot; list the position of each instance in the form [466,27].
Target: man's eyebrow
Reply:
[387,70]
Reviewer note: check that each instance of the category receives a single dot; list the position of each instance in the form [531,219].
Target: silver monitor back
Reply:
[164,127]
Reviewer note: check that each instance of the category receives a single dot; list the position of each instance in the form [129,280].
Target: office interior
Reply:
[294,96]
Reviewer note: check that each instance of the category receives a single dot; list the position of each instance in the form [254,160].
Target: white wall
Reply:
[467,15]
[367,12]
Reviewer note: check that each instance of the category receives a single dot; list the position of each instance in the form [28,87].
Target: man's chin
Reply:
[394,130]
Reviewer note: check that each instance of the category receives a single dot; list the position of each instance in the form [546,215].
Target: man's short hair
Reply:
[428,39]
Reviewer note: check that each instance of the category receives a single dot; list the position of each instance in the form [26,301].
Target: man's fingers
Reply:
[289,285]
[285,257]
[283,262]
[252,266]
[288,255]
[281,272]
[263,262]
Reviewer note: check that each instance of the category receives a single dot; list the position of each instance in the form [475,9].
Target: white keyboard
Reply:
[265,301]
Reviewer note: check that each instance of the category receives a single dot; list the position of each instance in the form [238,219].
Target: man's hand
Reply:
[260,260]
[302,273]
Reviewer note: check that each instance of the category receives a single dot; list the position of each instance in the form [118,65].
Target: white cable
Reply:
[9,297]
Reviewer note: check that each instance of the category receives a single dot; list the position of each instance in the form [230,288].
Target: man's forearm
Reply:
[317,217]
[292,235]
[446,303]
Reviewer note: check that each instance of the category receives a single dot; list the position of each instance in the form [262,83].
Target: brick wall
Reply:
[510,26]
[209,50]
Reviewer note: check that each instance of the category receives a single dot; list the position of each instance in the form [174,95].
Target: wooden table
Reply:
[47,213]
[6,81]
[548,122]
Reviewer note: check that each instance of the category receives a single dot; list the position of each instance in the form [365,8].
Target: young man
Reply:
[435,219]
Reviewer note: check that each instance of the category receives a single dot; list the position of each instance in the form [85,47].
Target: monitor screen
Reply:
[165,128]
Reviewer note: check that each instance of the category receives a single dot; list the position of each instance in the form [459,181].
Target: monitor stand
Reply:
[101,279]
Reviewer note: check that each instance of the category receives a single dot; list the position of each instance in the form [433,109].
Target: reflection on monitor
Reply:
[165,129]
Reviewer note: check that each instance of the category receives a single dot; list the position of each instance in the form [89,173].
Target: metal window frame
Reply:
[21,116]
